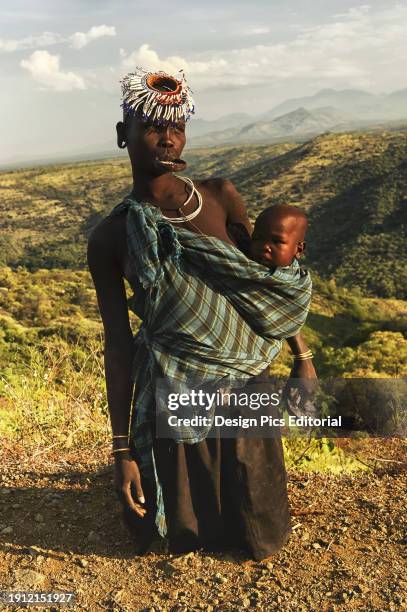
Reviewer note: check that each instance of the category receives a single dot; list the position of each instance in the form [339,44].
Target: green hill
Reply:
[354,189]
[353,186]
[349,334]
[51,342]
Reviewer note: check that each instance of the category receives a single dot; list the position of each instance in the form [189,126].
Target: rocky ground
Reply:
[61,530]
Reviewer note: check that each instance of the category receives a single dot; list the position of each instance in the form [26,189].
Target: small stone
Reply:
[83,563]
[25,578]
[219,579]
[93,537]
[316,546]
[189,555]
[243,602]
[117,595]
[39,518]
[8,529]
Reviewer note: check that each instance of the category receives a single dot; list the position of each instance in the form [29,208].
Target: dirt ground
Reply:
[61,530]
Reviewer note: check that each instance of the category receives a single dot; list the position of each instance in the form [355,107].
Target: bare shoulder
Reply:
[105,265]
[225,193]
[105,238]
[218,186]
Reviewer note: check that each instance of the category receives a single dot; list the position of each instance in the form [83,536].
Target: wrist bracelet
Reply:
[121,436]
[304,356]
[117,450]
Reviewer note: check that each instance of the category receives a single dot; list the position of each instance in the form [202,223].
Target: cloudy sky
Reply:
[61,60]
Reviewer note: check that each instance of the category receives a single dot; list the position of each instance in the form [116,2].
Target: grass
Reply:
[354,188]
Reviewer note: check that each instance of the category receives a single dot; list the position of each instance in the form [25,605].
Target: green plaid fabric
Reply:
[211,315]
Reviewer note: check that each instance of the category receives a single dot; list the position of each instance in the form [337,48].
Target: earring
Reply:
[123,144]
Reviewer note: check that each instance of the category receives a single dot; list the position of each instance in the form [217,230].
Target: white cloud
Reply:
[47,39]
[148,58]
[347,51]
[255,31]
[81,39]
[45,69]
[30,42]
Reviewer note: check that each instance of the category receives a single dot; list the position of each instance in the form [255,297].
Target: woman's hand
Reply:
[303,380]
[127,484]
[306,372]
[300,387]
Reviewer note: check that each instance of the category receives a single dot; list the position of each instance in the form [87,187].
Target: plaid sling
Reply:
[211,314]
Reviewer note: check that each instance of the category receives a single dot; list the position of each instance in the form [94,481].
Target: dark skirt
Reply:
[221,494]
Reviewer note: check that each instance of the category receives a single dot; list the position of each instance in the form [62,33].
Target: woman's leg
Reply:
[255,493]
[190,479]
[254,486]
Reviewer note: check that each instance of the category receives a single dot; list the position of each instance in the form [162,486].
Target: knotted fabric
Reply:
[211,314]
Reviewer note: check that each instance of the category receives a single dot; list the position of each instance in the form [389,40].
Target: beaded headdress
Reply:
[157,96]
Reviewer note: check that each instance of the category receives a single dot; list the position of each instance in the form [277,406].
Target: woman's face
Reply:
[155,149]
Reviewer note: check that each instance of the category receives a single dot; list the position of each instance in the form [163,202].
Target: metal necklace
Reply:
[190,183]
[192,215]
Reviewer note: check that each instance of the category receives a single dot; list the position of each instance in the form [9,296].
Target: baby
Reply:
[278,236]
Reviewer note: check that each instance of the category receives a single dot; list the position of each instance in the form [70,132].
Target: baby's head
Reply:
[278,235]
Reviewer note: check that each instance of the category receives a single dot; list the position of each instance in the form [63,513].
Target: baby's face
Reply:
[277,240]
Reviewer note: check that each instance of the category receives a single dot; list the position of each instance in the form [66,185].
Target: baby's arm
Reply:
[238,232]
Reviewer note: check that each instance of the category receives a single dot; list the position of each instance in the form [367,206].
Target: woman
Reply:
[214,491]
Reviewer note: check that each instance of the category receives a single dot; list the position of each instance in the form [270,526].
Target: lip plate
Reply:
[173,164]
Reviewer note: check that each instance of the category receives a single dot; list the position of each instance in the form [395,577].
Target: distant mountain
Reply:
[329,109]
[359,104]
[197,127]
[353,101]
[299,124]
